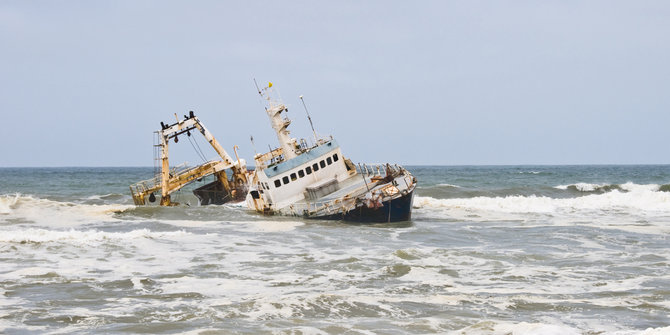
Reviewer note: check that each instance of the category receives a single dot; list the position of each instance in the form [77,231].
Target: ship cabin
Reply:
[312,174]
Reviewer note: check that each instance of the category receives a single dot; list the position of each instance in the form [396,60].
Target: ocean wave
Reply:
[602,188]
[645,201]
[36,235]
[448,185]
[7,202]
[639,201]
[56,213]
[501,328]
[103,198]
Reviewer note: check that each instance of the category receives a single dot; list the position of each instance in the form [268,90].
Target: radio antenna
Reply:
[257,88]
[310,120]
[253,144]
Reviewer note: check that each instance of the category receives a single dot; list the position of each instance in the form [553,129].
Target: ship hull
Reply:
[394,210]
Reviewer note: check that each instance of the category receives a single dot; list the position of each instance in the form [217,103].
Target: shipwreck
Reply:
[298,179]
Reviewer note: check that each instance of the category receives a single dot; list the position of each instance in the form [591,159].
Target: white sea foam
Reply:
[269,226]
[448,185]
[632,187]
[33,235]
[591,187]
[641,202]
[57,213]
[7,202]
[583,187]
[523,328]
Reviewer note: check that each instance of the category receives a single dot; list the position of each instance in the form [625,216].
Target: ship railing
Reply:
[144,186]
[378,170]
[332,206]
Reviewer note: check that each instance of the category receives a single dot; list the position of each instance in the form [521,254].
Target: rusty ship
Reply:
[297,179]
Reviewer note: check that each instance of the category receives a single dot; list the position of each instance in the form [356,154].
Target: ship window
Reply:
[285,179]
[323,164]
[266,186]
[315,167]
[308,170]
[277,183]
[293,177]
[301,173]
[335,158]
[329,160]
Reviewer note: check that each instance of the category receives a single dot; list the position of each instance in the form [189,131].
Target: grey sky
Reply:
[85,83]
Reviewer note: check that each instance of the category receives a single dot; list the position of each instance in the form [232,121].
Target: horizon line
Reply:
[415,165]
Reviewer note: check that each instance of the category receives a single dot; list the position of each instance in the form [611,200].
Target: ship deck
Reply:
[353,187]
[345,196]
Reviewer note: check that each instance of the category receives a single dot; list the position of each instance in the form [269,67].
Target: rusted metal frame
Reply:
[320,205]
[169,185]
[181,180]
[165,170]
[262,159]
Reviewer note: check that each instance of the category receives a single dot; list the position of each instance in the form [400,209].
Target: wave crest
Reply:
[603,188]
[57,213]
[638,203]
[34,235]
[7,202]
[448,185]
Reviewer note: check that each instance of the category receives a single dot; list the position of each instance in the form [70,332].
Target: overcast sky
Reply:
[85,83]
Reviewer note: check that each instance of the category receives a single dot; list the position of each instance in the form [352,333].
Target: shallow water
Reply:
[490,250]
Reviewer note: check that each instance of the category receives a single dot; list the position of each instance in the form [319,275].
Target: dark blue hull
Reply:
[395,210]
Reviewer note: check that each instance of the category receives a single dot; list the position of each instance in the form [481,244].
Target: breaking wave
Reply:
[33,235]
[634,201]
[641,202]
[7,202]
[57,213]
[529,172]
[603,188]
[504,328]
[448,185]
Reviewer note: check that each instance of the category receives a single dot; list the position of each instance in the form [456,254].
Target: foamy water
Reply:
[587,259]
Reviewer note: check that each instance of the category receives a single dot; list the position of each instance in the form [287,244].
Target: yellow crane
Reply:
[171,180]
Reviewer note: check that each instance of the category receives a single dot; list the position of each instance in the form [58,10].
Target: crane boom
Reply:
[171,180]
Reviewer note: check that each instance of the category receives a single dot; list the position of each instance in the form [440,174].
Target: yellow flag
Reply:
[269,84]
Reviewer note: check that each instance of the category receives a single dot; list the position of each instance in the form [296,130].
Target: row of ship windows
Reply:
[308,170]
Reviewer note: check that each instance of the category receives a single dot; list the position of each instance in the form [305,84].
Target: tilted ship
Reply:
[296,179]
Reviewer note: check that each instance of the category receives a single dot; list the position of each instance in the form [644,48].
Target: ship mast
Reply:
[279,123]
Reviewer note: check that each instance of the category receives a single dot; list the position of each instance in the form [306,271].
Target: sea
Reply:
[489,250]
